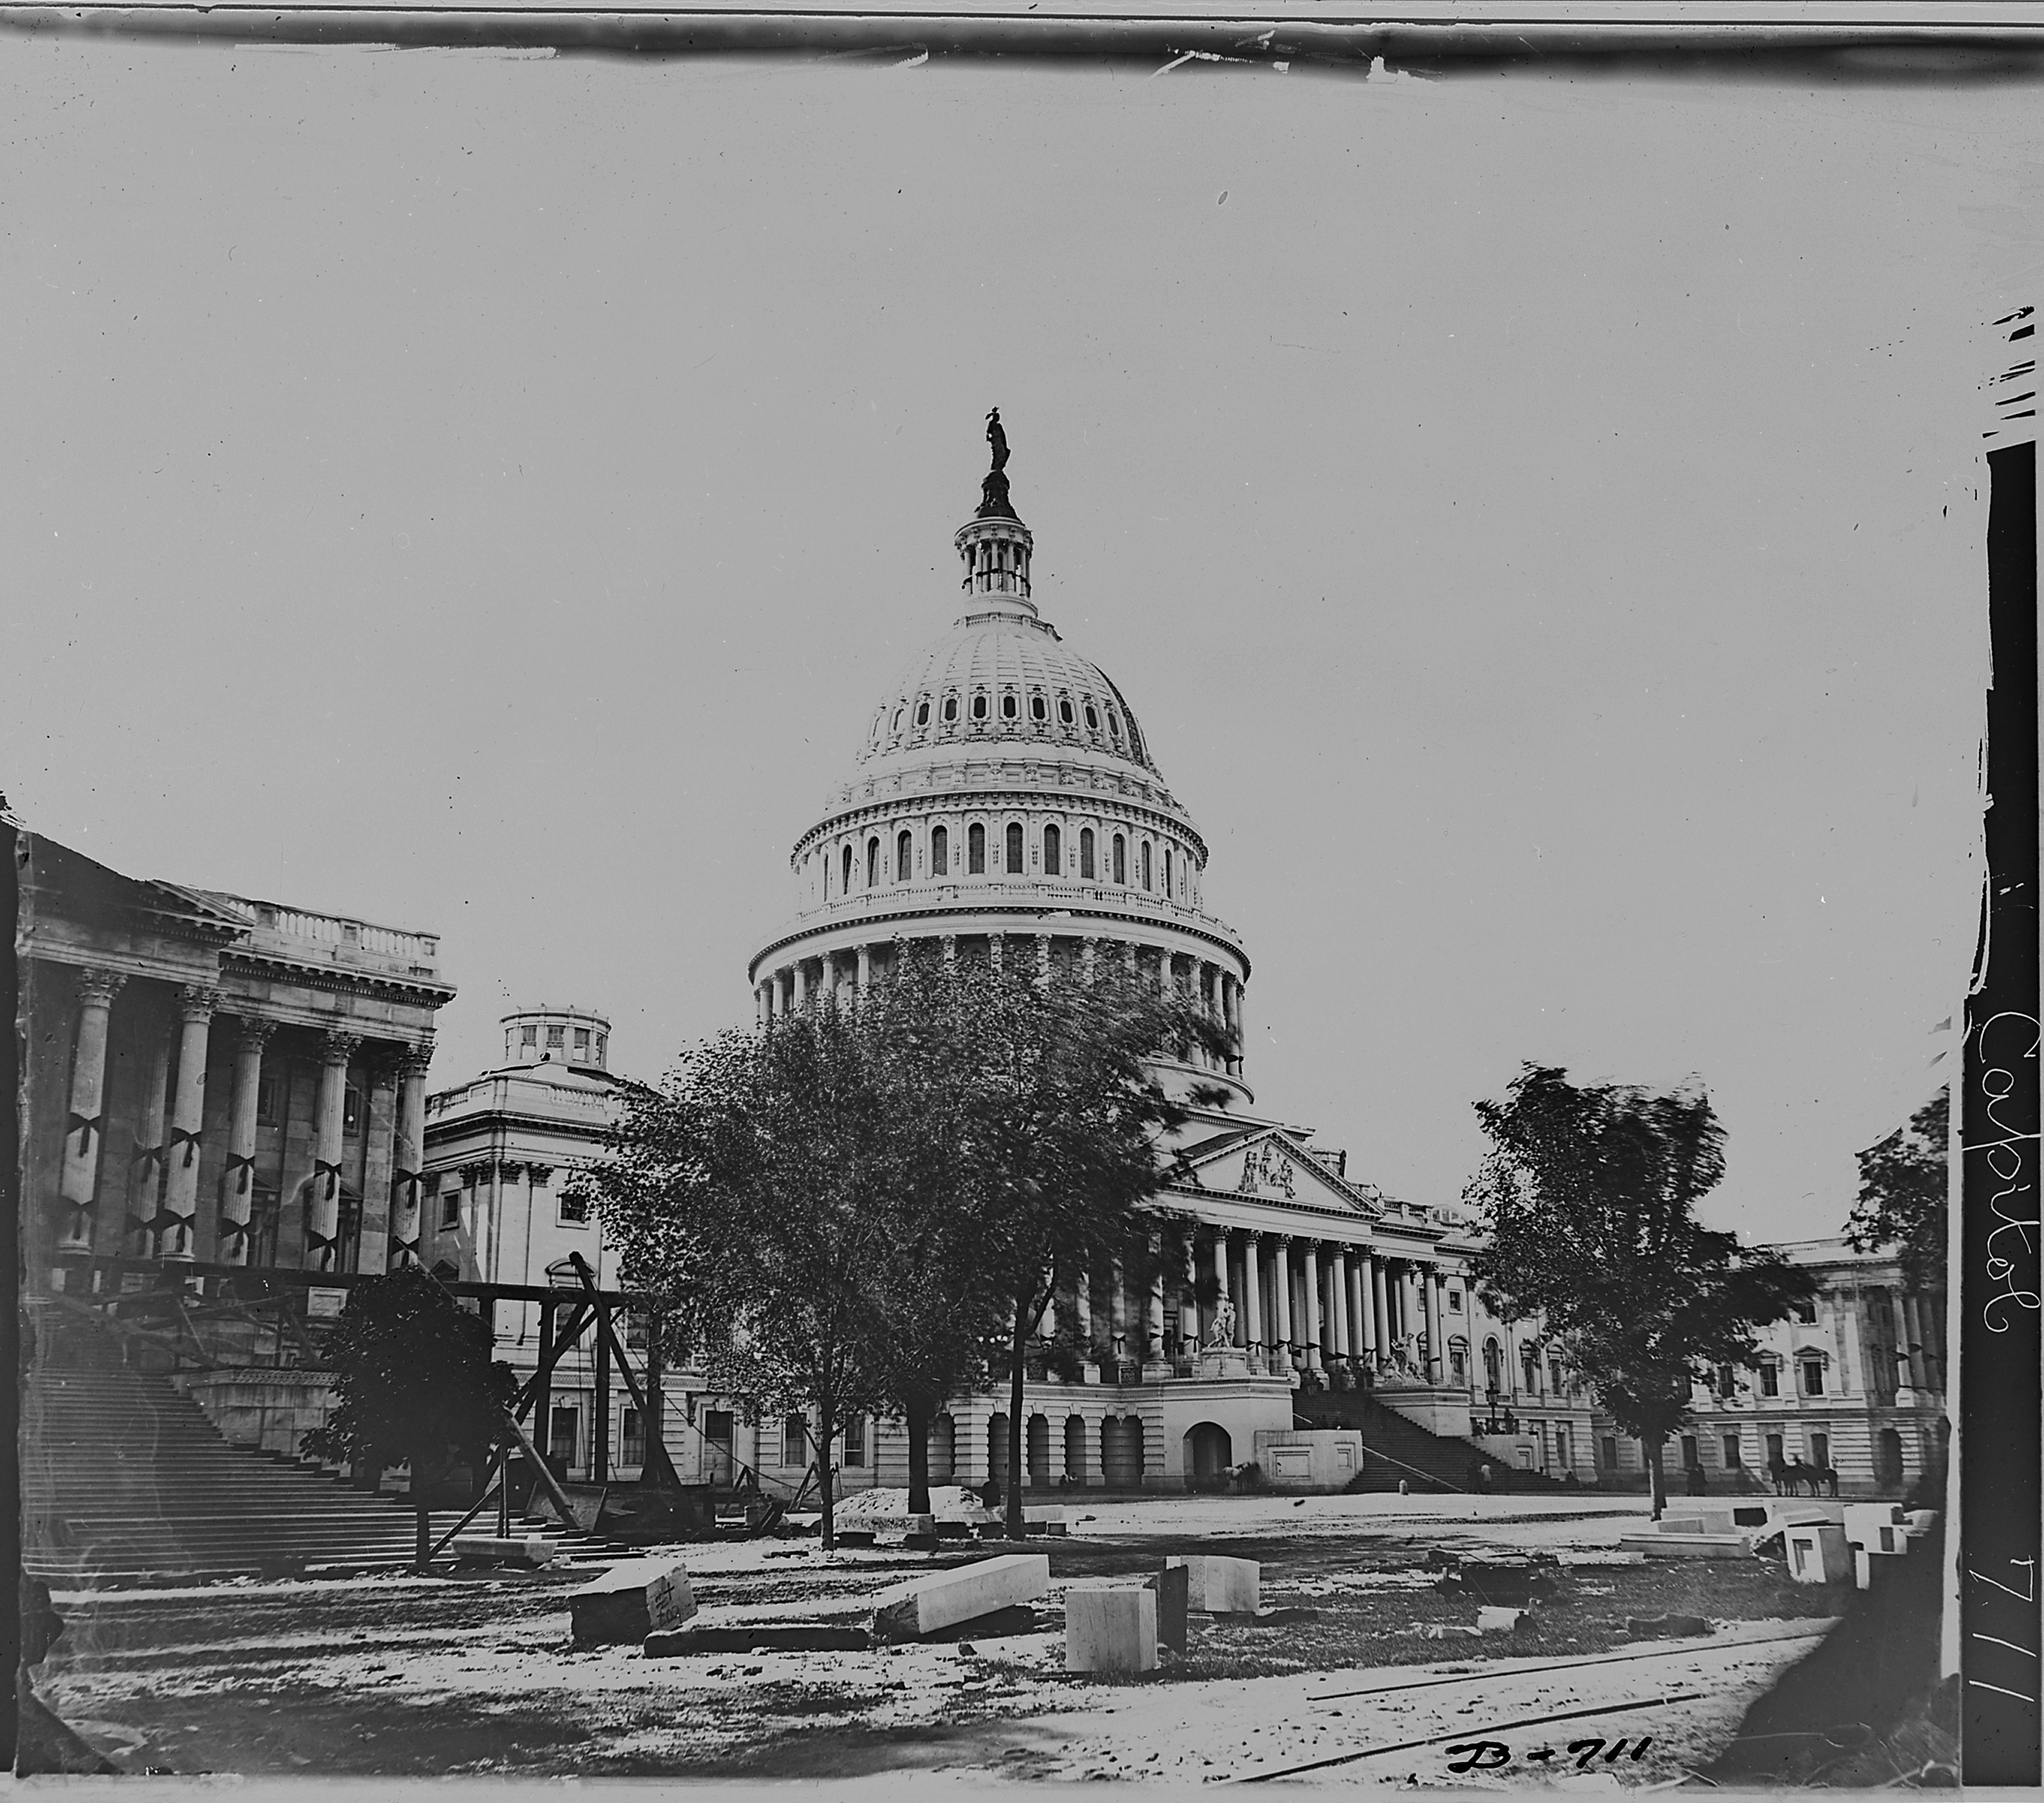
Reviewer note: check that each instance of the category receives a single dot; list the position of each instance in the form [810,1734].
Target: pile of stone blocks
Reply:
[924,1606]
[631,1600]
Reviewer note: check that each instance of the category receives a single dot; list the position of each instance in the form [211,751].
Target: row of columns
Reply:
[171,1127]
[1310,1305]
[1217,989]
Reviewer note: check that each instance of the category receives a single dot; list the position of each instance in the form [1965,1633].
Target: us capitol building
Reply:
[1007,804]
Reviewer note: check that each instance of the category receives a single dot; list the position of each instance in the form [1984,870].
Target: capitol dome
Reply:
[1005,802]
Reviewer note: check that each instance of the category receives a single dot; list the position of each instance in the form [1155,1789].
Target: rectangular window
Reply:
[1455,1302]
[794,1441]
[270,1100]
[1732,1458]
[450,1210]
[1692,1454]
[351,1111]
[1806,1310]
[630,1437]
[563,1433]
[1770,1380]
[1820,1450]
[601,1041]
[975,851]
[1813,1377]
[855,1440]
[529,1035]
[581,1042]
[553,1038]
[574,1209]
[1611,1452]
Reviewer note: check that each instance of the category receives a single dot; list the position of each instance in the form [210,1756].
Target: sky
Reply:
[1538,520]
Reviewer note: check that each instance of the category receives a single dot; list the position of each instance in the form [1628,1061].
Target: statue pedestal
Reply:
[1089,1374]
[1156,1371]
[1223,1364]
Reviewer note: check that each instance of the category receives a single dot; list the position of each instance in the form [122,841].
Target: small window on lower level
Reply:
[351,1109]
[575,1208]
[270,1100]
[450,1210]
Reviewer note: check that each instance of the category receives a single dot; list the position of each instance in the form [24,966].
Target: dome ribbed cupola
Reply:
[1004,796]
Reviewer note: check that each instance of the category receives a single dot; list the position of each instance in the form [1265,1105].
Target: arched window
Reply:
[1493,1365]
[1114,722]
[844,888]
[1529,1365]
[1146,864]
[896,726]
[1064,713]
[940,848]
[873,863]
[1085,853]
[1121,859]
[904,853]
[1037,711]
[923,712]
[1053,847]
[1014,844]
[1008,707]
[975,849]
[979,707]
[951,709]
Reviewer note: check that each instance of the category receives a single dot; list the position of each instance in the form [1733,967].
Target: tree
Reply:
[414,1384]
[1062,1116]
[1902,1193]
[1588,1196]
[749,1196]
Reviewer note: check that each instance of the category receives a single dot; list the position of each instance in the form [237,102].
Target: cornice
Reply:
[261,965]
[953,910]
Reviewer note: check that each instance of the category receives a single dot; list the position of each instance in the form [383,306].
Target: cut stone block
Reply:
[923,1524]
[953,1530]
[1876,1526]
[634,1599]
[1685,1524]
[1110,1628]
[1172,1585]
[920,1543]
[924,1605]
[1492,1621]
[1689,1546]
[1220,1587]
[1818,1555]
[857,1536]
[487,1549]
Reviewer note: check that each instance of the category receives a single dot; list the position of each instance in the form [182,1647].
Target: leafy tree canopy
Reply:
[414,1384]
[1902,1193]
[1588,1195]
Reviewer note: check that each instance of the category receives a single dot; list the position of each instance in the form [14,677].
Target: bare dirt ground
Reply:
[407,1676]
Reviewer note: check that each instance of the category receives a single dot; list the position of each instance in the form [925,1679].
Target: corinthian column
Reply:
[322,1187]
[1312,1306]
[145,1176]
[1252,1300]
[407,1155]
[1281,1295]
[77,1183]
[1338,1301]
[174,1237]
[237,1176]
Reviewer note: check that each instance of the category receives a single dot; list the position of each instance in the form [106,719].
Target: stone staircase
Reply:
[1394,1447]
[126,1481]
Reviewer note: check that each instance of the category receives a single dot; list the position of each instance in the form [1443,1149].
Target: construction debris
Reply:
[922,1606]
[630,1601]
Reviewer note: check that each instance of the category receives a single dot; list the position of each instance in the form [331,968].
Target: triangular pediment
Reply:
[1270,1165]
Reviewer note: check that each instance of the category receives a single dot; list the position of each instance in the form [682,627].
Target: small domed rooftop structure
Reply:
[575,1037]
[1006,802]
